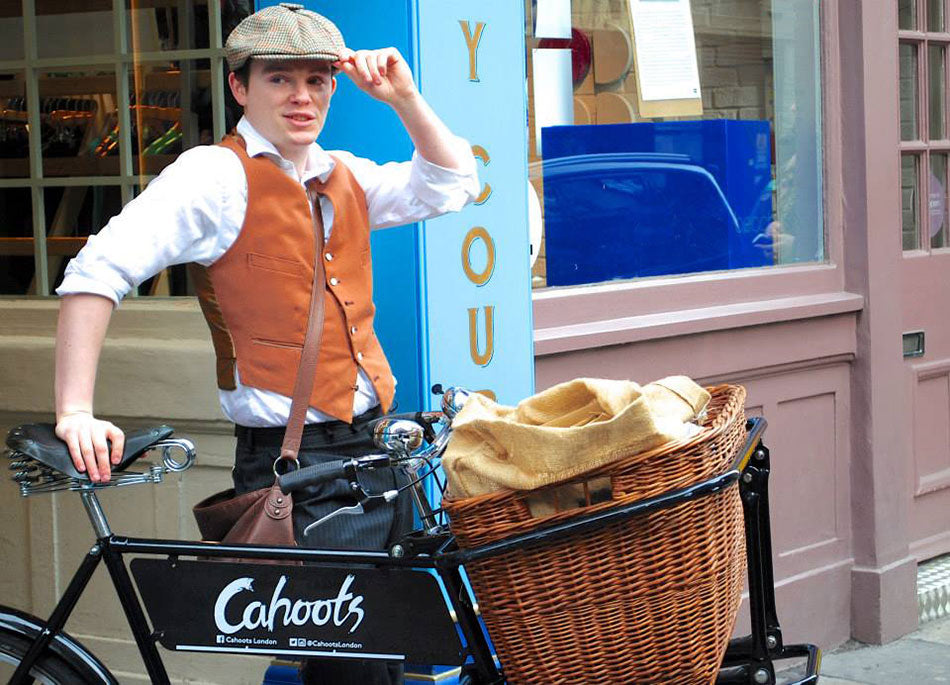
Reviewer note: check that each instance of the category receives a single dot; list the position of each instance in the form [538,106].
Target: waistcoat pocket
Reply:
[279,264]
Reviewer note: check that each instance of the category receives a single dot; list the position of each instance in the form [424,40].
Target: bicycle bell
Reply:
[453,400]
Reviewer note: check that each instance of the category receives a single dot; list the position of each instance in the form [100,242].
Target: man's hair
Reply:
[243,73]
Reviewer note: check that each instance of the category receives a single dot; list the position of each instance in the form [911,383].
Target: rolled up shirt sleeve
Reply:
[405,192]
[177,219]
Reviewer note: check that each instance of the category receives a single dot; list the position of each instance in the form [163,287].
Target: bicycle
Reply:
[342,604]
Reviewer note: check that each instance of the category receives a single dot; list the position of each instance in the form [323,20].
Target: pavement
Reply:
[921,658]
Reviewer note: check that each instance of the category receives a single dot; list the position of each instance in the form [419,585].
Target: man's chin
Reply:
[304,136]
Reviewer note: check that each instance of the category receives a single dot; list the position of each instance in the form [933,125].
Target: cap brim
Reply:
[315,56]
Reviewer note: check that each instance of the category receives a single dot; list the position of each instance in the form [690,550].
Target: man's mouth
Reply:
[301,118]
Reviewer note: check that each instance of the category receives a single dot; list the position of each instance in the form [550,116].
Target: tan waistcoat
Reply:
[256,297]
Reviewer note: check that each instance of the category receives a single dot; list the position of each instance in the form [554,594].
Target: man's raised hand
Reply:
[382,74]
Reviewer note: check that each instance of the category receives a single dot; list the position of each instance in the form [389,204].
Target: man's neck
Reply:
[296,157]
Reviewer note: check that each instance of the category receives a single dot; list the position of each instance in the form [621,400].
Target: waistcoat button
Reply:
[334,280]
[359,356]
[353,330]
[328,256]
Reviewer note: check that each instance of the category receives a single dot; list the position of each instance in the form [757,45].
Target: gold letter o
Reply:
[470,237]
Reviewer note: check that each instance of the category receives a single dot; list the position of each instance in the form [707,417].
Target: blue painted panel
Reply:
[648,199]
[489,112]
[368,128]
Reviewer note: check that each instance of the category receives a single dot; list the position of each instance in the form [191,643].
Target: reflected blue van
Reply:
[616,215]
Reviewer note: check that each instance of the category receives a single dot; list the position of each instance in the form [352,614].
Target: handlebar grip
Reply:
[311,475]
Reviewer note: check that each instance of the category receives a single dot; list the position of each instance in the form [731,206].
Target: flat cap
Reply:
[284,31]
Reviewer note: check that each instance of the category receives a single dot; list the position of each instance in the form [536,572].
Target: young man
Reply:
[245,211]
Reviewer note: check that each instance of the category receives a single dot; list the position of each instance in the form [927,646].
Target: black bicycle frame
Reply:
[748,659]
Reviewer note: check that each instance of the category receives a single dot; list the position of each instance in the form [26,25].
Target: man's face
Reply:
[286,101]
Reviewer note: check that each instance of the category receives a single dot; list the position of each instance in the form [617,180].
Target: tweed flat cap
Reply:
[284,31]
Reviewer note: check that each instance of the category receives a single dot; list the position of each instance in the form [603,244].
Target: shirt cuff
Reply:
[444,188]
[75,284]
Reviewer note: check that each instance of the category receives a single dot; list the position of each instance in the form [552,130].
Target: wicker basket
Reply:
[649,600]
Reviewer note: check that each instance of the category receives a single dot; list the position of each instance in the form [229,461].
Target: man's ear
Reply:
[238,89]
[333,87]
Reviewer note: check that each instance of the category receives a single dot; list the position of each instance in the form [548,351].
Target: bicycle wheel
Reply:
[50,669]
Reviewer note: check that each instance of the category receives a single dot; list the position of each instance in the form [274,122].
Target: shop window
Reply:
[924,144]
[674,137]
[91,111]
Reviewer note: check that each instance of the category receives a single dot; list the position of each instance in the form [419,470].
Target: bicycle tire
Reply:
[50,669]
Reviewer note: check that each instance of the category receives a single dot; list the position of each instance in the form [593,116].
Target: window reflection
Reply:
[910,183]
[937,203]
[908,91]
[634,186]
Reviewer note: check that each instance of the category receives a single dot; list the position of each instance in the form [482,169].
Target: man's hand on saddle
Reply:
[382,74]
[86,436]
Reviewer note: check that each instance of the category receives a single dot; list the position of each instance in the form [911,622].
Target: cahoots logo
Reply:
[256,614]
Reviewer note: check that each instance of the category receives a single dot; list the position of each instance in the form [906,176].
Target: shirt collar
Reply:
[319,163]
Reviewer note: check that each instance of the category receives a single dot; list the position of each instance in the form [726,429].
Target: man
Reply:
[246,211]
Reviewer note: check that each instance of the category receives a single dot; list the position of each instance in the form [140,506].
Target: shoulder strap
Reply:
[311,345]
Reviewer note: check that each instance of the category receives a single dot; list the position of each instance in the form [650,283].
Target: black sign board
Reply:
[298,611]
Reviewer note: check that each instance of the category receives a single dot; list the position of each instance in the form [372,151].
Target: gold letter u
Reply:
[481,359]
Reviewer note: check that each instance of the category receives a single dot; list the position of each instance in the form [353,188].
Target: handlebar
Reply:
[330,470]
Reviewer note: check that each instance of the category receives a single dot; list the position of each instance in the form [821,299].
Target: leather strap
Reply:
[311,344]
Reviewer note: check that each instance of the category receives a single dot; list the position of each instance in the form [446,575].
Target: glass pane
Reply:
[80,131]
[172,112]
[16,241]
[937,94]
[907,14]
[726,181]
[908,91]
[72,214]
[14,132]
[167,25]
[74,29]
[910,183]
[937,204]
[11,28]
[935,20]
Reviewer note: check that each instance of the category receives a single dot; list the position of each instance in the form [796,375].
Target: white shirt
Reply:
[193,212]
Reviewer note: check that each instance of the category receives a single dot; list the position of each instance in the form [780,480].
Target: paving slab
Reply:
[909,661]
[935,632]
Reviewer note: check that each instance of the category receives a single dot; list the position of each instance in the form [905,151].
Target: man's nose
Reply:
[300,93]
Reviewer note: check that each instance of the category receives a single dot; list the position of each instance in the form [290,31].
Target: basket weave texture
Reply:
[649,600]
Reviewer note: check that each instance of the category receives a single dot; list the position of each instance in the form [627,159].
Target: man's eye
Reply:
[277,79]
[316,81]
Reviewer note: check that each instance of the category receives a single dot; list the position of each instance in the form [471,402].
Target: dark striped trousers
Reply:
[257,448]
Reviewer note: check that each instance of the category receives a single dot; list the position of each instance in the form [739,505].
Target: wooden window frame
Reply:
[124,61]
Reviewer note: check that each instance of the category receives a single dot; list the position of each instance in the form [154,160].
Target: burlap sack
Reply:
[564,431]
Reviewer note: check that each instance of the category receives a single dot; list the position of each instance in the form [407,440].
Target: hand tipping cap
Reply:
[284,31]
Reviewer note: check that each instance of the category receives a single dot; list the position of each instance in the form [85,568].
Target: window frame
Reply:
[631,310]
[123,60]
[923,146]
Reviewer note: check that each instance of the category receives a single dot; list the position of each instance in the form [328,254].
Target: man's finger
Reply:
[88,454]
[361,68]
[372,65]
[118,442]
[72,442]
[382,62]
[101,448]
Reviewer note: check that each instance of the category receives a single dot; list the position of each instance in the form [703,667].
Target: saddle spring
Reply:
[29,473]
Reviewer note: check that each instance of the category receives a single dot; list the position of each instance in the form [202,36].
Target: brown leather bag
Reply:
[264,517]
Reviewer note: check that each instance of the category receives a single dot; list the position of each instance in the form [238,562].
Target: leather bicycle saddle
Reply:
[39,441]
